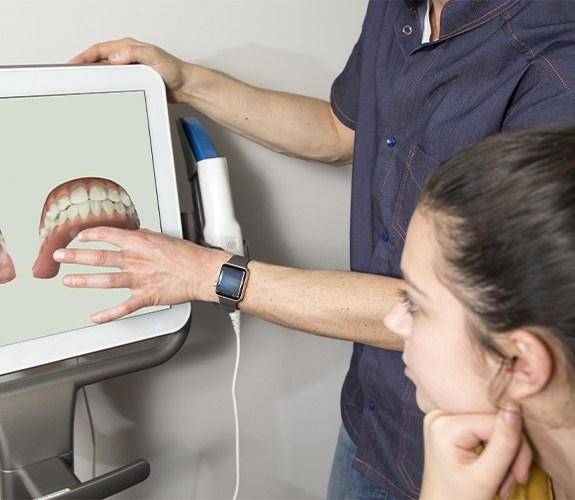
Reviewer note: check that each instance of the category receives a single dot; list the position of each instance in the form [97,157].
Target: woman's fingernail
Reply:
[512,413]
[58,255]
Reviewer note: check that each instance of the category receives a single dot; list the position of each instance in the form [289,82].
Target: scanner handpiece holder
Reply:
[220,227]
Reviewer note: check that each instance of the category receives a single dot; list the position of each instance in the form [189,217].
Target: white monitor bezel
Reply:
[20,81]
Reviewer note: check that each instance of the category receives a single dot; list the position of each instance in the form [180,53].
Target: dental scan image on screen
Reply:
[68,162]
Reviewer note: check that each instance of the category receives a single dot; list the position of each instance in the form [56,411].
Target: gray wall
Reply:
[179,416]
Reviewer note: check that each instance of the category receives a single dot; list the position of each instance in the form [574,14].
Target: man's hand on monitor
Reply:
[130,51]
[158,269]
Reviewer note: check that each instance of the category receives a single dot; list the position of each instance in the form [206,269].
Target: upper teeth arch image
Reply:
[76,205]
[7,270]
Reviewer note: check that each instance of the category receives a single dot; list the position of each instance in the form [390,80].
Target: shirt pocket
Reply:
[416,169]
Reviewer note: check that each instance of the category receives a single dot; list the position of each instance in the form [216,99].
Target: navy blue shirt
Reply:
[497,65]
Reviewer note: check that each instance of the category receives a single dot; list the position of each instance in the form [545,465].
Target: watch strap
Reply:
[239,261]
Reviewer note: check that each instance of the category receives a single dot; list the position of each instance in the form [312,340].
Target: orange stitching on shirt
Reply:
[389,481]
[413,177]
[438,53]
[415,13]
[334,101]
[537,56]
[503,7]
[347,415]
[400,230]
[389,170]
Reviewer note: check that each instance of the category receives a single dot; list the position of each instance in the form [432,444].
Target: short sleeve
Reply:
[345,90]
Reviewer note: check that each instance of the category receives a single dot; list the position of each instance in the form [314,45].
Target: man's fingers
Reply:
[119,311]
[101,52]
[124,51]
[104,280]
[105,234]
[106,258]
[96,53]
[108,234]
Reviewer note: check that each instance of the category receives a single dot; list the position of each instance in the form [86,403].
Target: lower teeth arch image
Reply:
[74,206]
[7,270]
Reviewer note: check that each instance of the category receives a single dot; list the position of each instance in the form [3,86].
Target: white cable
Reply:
[236,322]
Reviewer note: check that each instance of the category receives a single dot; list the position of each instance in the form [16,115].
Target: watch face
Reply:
[231,282]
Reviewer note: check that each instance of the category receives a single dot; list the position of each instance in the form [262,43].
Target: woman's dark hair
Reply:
[504,209]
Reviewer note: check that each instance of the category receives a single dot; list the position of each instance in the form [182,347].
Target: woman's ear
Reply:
[532,366]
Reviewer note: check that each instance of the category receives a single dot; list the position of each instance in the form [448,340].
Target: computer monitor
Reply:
[80,146]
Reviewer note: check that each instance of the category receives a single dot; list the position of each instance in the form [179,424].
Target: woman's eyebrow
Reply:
[412,284]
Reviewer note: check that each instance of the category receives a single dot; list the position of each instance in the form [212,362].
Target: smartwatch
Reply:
[232,281]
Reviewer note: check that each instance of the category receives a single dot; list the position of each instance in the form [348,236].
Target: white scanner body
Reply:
[221,228]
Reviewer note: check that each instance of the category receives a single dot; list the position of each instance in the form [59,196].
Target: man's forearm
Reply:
[337,304]
[159,269]
[295,125]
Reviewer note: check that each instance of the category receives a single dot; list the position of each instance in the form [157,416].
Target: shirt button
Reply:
[390,141]
[407,30]
[370,406]
[384,236]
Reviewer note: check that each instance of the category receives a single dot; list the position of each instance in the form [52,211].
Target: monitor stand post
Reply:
[37,420]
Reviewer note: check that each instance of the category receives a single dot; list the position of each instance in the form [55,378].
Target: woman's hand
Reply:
[453,469]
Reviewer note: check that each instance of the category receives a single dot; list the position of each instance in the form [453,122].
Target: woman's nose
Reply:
[398,320]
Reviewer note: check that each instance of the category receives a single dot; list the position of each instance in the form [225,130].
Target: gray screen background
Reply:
[48,140]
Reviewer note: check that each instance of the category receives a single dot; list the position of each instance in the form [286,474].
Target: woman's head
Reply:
[499,220]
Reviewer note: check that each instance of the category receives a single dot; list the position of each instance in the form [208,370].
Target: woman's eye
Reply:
[406,300]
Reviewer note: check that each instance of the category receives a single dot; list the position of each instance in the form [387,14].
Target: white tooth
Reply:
[63,203]
[120,208]
[42,240]
[72,211]
[108,206]
[63,217]
[125,199]
[79,195]
[54,223]
[44,232]
[113,195]
[48,220]
[97,192]
[53,211]
[84,209]
[2,240]
[130,210]
[96,207]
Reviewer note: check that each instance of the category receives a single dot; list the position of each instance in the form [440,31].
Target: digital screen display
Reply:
[230,282]
[68,162]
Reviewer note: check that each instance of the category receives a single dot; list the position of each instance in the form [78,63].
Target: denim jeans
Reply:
[346,483]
